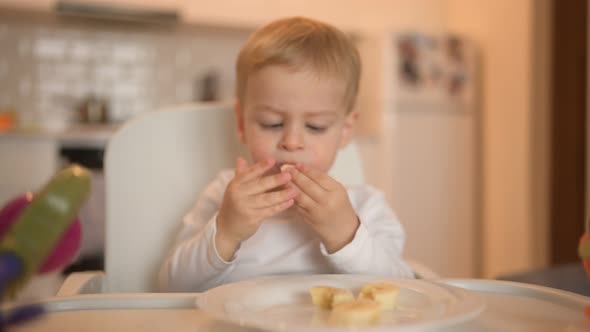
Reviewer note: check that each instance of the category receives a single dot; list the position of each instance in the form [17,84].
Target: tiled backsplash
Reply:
[49,65]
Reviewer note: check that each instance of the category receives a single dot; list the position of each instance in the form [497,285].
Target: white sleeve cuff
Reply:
[212,254]
[349,253]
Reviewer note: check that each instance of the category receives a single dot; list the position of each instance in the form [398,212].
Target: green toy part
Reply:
[38,229]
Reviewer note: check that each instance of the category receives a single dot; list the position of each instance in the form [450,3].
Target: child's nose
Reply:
[292,140]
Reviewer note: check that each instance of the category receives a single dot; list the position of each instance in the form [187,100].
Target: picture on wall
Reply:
[434,69]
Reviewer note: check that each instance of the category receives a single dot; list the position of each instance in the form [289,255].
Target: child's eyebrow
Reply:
[267,108]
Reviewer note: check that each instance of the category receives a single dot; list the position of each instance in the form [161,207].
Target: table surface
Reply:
[569,277]
[510,307]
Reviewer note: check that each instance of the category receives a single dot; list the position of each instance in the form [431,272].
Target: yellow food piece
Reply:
[355,312]
[385,294]
[327,297]
[285,167]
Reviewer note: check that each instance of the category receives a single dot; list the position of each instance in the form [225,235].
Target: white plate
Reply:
[283,303]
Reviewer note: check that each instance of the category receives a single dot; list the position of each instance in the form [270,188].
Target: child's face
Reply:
[294,116]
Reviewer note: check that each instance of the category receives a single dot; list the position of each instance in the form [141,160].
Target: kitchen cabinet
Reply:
[49,5]
[37,5]
[375,15]
[30,158]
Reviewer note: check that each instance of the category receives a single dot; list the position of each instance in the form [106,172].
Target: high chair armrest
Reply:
[422,271]
[77,283]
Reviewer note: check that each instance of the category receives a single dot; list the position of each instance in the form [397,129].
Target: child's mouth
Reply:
[282,166]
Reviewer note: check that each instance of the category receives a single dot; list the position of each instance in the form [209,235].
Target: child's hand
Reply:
[248,199]
[325,205]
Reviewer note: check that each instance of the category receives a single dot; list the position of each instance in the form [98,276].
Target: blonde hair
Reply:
[300,42]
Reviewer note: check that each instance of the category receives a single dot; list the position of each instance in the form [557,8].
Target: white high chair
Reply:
[155,167]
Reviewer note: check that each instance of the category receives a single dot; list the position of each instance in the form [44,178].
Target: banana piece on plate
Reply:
[327,297]
[384,293]
[355,312]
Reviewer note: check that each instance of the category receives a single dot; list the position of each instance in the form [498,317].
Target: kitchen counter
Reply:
[31,157]
[570,277]
[93,136]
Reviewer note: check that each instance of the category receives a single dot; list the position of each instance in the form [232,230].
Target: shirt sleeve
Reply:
[193,264]
[377,245]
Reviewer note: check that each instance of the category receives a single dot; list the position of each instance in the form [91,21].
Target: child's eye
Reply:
[271,125]
[316,129]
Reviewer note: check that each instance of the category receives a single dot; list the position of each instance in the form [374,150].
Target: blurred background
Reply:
[473,112]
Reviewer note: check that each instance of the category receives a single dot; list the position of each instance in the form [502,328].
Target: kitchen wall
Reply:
[361,16]
[49,65]
[368,15]
[515,224]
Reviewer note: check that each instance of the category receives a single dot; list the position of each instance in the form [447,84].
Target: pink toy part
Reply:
[65,250]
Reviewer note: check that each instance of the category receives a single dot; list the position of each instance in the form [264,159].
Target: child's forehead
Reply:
[282,88]
[294,70]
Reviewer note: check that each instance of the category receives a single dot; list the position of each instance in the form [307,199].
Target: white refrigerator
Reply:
[430,160]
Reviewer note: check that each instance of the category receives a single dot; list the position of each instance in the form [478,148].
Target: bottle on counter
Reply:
[94,110]
[207,88]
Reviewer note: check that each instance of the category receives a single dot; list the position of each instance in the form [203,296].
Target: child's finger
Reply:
[273,198]
[305,213]
[278,208]
[305,202]
[257,170]
[322,179]
[307,185]
[267,183]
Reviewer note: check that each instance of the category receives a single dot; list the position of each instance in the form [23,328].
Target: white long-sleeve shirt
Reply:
[284,244]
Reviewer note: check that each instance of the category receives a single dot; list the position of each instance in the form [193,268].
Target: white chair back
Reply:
[155,166]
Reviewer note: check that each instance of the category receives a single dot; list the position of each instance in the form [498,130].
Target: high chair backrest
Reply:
[155,167]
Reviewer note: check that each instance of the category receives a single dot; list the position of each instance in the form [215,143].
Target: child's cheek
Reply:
[260,150]
[323,159]
[318,160]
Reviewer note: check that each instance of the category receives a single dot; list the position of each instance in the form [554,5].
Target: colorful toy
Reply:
[65,250]
[39,233]
[584,253]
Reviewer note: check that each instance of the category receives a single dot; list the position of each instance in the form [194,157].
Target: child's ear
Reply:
[348,129]
[239,115]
